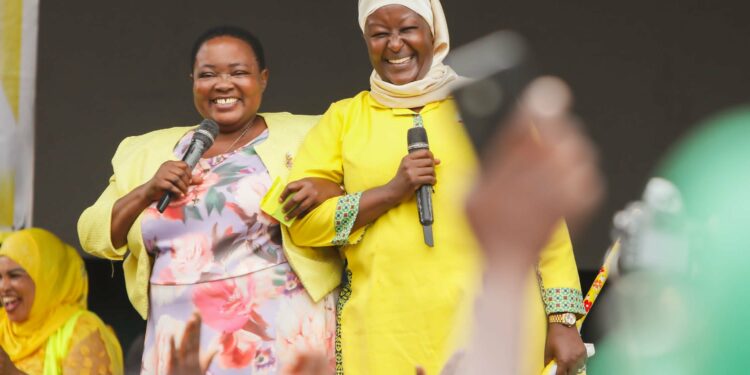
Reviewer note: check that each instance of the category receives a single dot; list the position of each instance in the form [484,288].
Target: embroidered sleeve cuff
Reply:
[559,300]
[347,209]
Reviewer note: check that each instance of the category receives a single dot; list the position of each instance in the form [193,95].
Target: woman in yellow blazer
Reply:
[405,303]
[261,298]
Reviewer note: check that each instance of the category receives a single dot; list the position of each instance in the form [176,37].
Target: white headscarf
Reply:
[435,86]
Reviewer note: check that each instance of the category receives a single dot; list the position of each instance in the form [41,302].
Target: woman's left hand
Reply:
[6,365]
[308,194]
[565,346]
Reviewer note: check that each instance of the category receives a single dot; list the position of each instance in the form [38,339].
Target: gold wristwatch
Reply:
[567,319]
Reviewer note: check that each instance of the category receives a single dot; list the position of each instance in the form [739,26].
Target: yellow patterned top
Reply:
[93,349]
[405,304]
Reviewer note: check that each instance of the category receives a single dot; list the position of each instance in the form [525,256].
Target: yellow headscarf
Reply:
[61,285]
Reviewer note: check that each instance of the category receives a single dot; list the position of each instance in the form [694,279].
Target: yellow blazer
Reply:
[136,161]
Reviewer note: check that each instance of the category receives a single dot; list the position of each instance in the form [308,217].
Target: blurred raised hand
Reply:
[540,167]
[6,365]
[309,364]
[186,359]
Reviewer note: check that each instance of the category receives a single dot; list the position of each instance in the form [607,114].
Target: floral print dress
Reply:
[218,255]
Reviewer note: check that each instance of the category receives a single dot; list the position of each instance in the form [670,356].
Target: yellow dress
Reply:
[404,304]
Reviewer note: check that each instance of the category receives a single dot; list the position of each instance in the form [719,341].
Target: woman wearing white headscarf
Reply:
[404,303]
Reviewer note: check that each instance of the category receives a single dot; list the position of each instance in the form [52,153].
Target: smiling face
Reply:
[228,84]
[17,290]
[400,44]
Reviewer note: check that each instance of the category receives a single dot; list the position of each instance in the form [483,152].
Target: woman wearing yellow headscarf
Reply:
[45,327]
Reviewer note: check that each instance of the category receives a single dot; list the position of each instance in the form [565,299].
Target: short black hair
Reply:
[235,32]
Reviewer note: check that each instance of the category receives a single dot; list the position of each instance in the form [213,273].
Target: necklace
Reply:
[247,127]
[206,165]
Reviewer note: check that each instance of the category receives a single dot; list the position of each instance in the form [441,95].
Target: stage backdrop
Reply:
[18,43]
[642,73]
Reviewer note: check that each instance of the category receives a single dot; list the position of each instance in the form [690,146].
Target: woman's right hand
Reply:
[416,169]
[172,176]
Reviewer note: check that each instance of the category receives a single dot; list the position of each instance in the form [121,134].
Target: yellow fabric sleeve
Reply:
[558,274]
[330,224]
[94,231]
[315,229]
[320,156]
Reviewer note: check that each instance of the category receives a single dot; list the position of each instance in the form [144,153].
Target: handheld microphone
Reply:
[416,139]
[202,140]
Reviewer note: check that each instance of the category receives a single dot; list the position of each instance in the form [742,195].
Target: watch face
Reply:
[569,319]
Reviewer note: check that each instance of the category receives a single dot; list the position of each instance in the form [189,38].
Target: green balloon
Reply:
[695,321]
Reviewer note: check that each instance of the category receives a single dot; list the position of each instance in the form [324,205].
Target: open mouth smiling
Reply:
[401,61]
[10,303]
[224,101]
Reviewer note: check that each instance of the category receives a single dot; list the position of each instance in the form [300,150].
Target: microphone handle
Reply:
[424,204]
[164,202]
[192,155]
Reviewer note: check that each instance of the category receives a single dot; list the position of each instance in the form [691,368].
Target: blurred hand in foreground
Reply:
[186,359]
[539,168]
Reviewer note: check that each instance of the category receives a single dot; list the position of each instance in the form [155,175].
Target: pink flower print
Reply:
[191,256]
[257,325]
[264,359]
[303,327]
[194,194]
[249,191]
[151,213]
[292,283]
[238,349]
[248,219]
[224,305]
[167,296]
[265,286]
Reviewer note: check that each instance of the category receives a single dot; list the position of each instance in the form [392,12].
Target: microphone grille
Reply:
[207,131]
[416,135]
[210,126]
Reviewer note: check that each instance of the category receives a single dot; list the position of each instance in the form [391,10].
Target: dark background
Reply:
[643,73]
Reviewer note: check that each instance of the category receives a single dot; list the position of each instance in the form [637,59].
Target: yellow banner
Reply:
[18,38]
